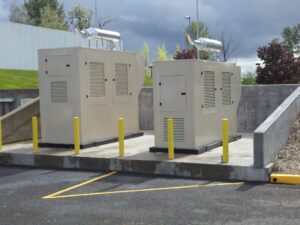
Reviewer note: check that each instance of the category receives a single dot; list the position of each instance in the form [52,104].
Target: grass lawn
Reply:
[25,79]
[148,82]
[18,79]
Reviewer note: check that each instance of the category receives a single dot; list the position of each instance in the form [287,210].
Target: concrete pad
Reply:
[139,159]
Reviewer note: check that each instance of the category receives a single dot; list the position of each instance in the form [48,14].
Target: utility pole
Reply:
[197,15]
[96,14]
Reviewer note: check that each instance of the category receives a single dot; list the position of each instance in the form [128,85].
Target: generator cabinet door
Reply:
[98,69]
[123,76]
[173,93]
[56,98]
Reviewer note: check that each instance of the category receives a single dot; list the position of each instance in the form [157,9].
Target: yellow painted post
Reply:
[121,137]
[225,140]
[35,134]
[76,135]
[170,139]
[1,135]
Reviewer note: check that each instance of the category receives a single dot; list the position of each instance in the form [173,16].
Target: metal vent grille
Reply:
[121,75]
[59,92]
[209,90]
[178,129]
[226,88]
[97,79]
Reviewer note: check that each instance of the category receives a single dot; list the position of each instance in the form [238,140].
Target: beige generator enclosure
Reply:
[98,86]
[197,95]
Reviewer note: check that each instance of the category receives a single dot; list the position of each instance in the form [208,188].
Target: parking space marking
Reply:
[79,185]
[58,195]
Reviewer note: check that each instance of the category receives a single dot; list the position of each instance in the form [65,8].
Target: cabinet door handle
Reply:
[183,93]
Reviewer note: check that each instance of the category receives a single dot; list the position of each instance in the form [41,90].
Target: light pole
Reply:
[187,26]
[187,21]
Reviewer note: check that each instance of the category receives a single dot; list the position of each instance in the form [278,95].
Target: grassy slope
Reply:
[18,79]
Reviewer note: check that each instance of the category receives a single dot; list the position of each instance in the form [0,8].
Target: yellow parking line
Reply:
[79,185]
[144,190]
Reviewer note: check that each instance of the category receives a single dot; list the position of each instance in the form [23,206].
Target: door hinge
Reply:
[159,83]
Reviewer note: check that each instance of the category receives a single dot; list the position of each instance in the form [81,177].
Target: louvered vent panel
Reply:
[59,92]
[209,90]
[97,79]
[121,75]
[178,129]
[226,88]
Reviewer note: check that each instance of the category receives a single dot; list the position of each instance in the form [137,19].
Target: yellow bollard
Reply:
[76,135]
[35,135]
[121,137]
[1,135]
[170,139]
[225,157]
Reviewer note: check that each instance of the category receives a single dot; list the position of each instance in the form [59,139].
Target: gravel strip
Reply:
[288,159]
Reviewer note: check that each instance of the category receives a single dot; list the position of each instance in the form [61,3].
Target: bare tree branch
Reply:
[104,22]
[229,46]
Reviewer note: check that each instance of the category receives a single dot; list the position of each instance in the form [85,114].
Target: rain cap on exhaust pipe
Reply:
[113,37]
[206,44]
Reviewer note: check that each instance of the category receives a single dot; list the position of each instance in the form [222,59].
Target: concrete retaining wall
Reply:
[273,133]
[18,95]
[258,102]
[146,112]
[16,125]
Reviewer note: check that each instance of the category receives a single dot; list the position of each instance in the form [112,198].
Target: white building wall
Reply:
[19,44]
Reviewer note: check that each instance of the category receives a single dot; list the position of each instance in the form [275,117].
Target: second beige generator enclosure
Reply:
[197,95]
[98,86]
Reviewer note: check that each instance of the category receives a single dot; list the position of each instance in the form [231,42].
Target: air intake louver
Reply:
[178,129]
[209,90]
[97,79]
[121,75]
[226,88]
[59,92]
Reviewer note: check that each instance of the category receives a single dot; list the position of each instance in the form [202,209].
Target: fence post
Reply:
[121,137]
[76,135]
[170,139]
[35,134]
[225,157]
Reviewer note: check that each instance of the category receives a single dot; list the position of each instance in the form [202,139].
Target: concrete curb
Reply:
[285,178]
[169,168]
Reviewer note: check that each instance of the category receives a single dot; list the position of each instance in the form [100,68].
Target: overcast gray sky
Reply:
[252,22]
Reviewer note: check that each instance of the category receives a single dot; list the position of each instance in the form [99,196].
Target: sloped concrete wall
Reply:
[273,133]
[17,95]
[16,125]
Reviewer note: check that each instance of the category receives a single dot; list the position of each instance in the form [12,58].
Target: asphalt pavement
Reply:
[39,196]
